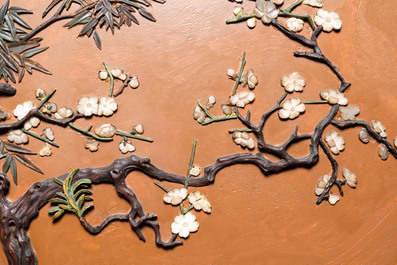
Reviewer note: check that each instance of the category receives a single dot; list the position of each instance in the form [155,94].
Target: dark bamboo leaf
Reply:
[83,18]
[58,214]
[3,11]
[21,74]
[21,47]
[14,171]
[6,36]
[146,14]
[86,208]
[19,10]
[51,6]
[27,162]
[54,209]
[1,146]
[10,24]
[35,65]
[3,45]
[8,61]
[89,26]
[34,51]
[19,20]
[17,149]
[97,40]
[7,163]
[57,181]
[57,200]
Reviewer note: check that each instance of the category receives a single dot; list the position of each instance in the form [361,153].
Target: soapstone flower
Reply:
[266,10]
[103,75]
[251,23]
[252,79]
[126,146]
[32,122]
[383,152]
[198,114]
[278,2]
[63,113]
[134,82]
[295,24]
[322,183]
[195,171]
[243,139]
[184,225]
[349,113]
[88,106]
[211,102]
[138,129]
[351,179]
[379,128]
[363,136]
[92,145]
[329,20]
[293,82]
[314,3]
[333,199]
[334,97]
[291,109]
[105,130]
[17,136]
[175,196]
[242,99]
[48,133]
[335,142]
[226,109]
[107,105]
[46,150]
[116,72]
[200,202]
[23,109]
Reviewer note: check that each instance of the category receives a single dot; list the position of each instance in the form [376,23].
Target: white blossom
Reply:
[395,142]
[231,73]
[88,106]
[383,152]
[293,82]
[184,225]
[334,97]
[211,102]
[322,183]
[252,79]
[266,10]
[242,99]
[335,142]
[32,122]
[333,199]
[195,171]
[349,113]
[92,145]
[40,93]
[103,75]
[198,114]
[107,105]
[226,109]
[291,109]
[200,202]
[17,136]
[138,129]
[105,130]
[243,139]
[278,2]
[48,133]
[23,109]
[363,135]
[175,196]
[329,20]
[134,82]
[123,77]
[379,128]
[295,24]
[126,146]
[46,150]
[116,72]
[251,23]
[63,113]
[351,178]
[315,3]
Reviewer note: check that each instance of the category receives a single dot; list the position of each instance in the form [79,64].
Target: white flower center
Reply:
[328,19]
[89,105]
[185,224]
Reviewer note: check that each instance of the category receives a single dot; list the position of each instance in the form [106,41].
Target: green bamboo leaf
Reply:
[57,181]
[57,200]
[80,182]
[80,201]
[60,194]
[19,20]
[27,162]
[80,19]
[14,171]
[67,208]
[54,209]
[3,11]
[86,208]
[83,191]
[7,163]
[33,52]
[17,149]
[58,214]
[88,198]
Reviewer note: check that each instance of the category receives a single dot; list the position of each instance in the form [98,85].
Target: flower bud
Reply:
[102,75]
[383,152]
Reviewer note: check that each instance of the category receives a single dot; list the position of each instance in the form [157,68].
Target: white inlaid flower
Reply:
[198,114]
[252,79]
[242,99]
[32,122]
[334,97]
[134,82]
[379,128]
[195,171]
[116,72]
[333,199]
[231,73]
[349,113]
[335,142]
[293,82]
[291,109]
[200,202]
[49,133]
[226,109]
[23,109]
[92,145]
[126,146]
[88,106]
[63,113]
[211,102]
[322,183]
[329,20]
[175,196]
[295,24]
[363,136]
[251,23]
[107,105]
[138,129]
[383,152]
[17,136]
[351,178]
[315,3]
[243,139]
[278,2]
[105,130]
[103,75]
[46,150]
[266,10]
[184,225]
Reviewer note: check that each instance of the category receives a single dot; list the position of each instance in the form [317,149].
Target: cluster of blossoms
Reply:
[133,81]
[242,99]
[243,139]
[335,142]
[249,78]
[351,178]
[22,110]
[334,97]
[89,106]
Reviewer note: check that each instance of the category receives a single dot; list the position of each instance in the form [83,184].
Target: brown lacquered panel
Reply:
[181,58]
